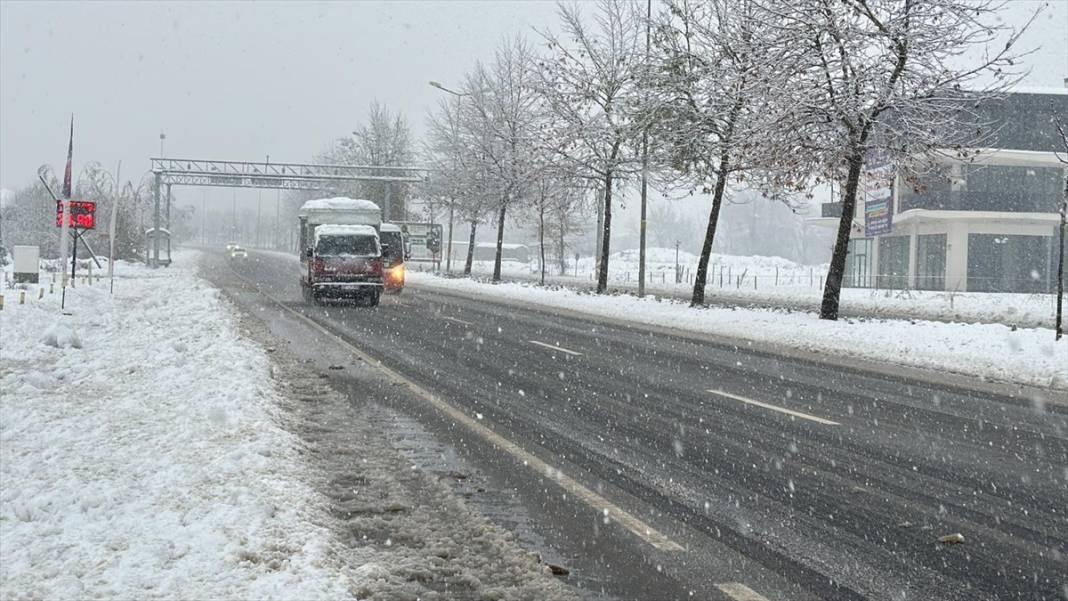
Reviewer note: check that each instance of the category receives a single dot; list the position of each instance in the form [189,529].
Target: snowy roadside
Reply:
[987,351]
[777,282]
[143,456]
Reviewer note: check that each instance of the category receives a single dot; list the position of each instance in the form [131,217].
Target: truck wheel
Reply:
[372,299]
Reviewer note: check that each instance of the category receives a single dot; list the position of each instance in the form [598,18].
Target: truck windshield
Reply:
[347,245]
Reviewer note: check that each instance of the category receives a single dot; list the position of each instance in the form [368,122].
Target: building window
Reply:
[858,264]
[999,188]
[1003,263]
[893,262]
[931,262]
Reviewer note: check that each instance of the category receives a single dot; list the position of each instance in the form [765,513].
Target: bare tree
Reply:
[714,70]
[459,178]
[881,78]
[591,83]
[502,106]
[384,139]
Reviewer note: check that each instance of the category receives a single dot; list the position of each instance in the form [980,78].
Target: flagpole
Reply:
[65,218]
[111,228]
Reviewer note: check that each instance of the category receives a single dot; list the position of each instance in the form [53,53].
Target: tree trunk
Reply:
[1060,265]
[561,247]
[500,242]
[470,249]
[606,235]
[832,289]
[541,239]
[701,276]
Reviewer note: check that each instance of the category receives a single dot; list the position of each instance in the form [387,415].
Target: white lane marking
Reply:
[814,418]
[556,348]
[740,592]
[466,323]
[603,506]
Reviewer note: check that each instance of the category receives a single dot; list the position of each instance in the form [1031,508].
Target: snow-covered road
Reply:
[987,351]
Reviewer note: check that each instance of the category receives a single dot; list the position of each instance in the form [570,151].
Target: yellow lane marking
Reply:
[740,592]
[610,510]
[556,348]
[814,418]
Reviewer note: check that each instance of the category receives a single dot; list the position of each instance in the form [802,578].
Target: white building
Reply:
[986,224]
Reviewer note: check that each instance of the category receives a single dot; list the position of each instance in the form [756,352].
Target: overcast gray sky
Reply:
[241,80]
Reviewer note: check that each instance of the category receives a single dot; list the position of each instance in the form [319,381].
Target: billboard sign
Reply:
[424,240]
[82,214]
[878,219]
[878,201]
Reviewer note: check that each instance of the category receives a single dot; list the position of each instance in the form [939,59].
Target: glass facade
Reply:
[858,264]
[931,262]
[1004,188]
[893,262]
[1003,263]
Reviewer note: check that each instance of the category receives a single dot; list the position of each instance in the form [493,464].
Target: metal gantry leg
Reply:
[168,224]
[154,260]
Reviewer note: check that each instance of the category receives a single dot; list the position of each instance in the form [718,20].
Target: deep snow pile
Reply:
[142,456]
[1028,356]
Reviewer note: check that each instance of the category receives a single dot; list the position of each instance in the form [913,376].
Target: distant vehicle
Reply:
[231,246]
[394,253]
[236,252]
[340,251]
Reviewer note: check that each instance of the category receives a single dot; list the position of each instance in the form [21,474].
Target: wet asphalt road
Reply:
[844,498]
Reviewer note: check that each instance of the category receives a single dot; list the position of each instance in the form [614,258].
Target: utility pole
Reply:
[278,220]
[204,218]
[599,201]
[259,208]
[233,217]
[645,171]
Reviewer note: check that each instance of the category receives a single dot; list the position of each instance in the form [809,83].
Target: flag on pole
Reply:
[70,157]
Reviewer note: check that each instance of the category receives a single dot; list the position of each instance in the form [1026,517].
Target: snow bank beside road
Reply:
[1027,356]
[780,282]
[146,461]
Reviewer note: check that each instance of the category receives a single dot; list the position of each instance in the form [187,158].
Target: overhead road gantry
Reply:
[266,175]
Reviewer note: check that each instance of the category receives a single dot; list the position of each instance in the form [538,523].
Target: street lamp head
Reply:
[162,136]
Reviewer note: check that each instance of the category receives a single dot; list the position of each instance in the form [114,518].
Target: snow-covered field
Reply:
[142,452]
[991,351]
[780,282]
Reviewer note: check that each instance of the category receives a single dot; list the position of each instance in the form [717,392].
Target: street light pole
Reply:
[645,172]
[162,137]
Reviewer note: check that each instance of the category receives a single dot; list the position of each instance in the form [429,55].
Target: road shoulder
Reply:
[401,532]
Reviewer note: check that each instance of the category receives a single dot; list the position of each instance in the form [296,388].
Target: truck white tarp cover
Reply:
[339,203]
